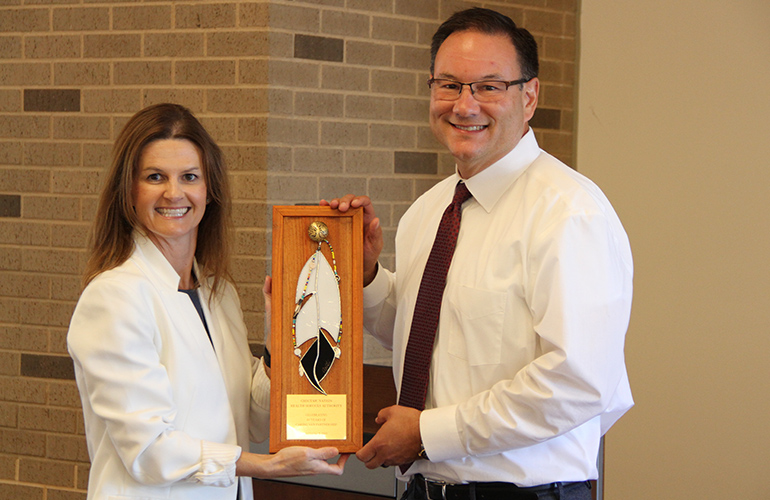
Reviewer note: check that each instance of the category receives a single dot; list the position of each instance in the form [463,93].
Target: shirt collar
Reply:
[489,185]
[162,269]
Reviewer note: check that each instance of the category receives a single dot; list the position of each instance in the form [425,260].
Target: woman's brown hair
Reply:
[111,242]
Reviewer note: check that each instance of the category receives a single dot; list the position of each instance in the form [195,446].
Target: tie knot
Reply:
[461,194]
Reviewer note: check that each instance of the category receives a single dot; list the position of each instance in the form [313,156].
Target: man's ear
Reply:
[530,93]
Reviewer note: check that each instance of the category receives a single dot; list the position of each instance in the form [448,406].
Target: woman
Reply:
[171,393]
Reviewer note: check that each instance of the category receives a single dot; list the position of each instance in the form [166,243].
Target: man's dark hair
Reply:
[491,23]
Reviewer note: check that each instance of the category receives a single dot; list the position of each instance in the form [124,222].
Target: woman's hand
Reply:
[290,462]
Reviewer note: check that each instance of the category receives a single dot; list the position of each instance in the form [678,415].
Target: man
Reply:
[527,369]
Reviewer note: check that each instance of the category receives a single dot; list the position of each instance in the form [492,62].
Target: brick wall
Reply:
[309,99]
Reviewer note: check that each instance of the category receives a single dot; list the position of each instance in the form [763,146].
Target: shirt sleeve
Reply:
[578,288]
[260,402]
[114,342]
[380,307]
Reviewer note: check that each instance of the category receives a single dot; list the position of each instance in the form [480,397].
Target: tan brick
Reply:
[540,21]
[10,259]
[417,9]
[204,72]
[81,19]
[557,96]
[9,365]
[50,261]
[394,29]
[385,189]
[318,104]
[426,140]
[189,97]
[293,188]
[8,414]
[88,208]
[173,44]
[340,77]
[54,494]
[46,472]
[417,58]
[64,394]
[76,181]
[301,132]
[26,180]
[411,109]
[22,390]
[246,158]
[22,443]
[81,73]
[24,233]
[249,214]
[562,49]
[111,46]
[392,136]
[321,160]
[25,286]
[256,71]
[249,186]
[359,161]
[47,313]
[294,73]
[66,287]
[51,207]
[222,129]
[10,153]
[24,127]
[343,134]
[51,153]
[10,309]
[111,100]
[250,242]
[69,235]
[371,5]
[237,43]
[25,20]
[10,47]
[220,15]
[238,101]
[254,14]
[81,127]
[59,338]
[248,269]
[141,17]
[394,82]
[335,22]
[70,448]
[96,154]
[365,106]
[295,18]
[336,186]
[25,338]
[143,72]
[82,471]
[39,418]
[15,74]
[21,491]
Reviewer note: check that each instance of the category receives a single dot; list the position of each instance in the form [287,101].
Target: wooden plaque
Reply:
[300,414]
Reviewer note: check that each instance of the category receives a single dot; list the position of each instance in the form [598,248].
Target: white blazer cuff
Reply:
[217,464]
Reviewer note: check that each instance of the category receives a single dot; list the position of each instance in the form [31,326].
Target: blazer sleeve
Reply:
[115,343]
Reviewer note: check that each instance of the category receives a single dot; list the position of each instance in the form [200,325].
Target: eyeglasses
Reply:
[483,91]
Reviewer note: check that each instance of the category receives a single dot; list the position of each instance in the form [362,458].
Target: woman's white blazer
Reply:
[166,414]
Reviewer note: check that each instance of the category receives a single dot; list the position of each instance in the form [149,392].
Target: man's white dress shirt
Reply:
[528,368]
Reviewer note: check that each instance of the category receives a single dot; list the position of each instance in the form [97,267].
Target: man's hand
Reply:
[372,231]
[396,442]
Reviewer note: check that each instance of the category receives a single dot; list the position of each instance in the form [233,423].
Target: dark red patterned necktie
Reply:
[419,349]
